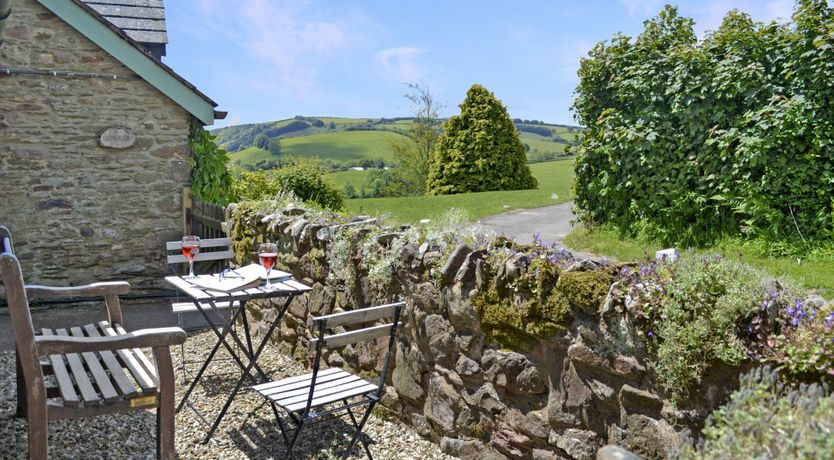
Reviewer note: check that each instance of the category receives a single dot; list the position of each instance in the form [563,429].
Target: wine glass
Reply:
[190,249]
[267,254]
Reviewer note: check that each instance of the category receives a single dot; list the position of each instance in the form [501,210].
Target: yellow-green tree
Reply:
[479,150]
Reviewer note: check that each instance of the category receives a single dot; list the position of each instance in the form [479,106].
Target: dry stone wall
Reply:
[79,211]
[561,397]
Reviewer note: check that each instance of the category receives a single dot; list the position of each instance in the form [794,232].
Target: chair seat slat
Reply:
[333,397]
[65,386]
[296,379]
[188,307]
[100,377]
[284,387]
[117,372]
[303,392]
[79,374]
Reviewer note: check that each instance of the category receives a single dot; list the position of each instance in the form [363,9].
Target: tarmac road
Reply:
[552,223]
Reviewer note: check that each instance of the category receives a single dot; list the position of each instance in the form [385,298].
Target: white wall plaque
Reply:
[117,138]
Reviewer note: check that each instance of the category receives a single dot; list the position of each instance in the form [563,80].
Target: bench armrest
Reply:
[87,290]
[111,290]
[143,338]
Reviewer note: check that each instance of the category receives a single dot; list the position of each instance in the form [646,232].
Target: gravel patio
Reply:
[248,430]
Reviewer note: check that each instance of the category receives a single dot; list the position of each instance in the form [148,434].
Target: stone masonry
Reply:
[564,397]
[80,212]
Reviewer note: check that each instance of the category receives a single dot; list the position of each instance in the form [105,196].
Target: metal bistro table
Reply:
[205,299]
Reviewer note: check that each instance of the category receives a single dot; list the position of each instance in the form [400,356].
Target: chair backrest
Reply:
[325,339]
[213,249]
[24,330]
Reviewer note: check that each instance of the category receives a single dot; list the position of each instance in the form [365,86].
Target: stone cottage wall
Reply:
[565,396]
[78,211]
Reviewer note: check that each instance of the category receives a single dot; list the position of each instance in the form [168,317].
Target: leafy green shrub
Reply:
[304,178]
[805,346]
[699,311]
[210,177]
[767,418]
[688,141]
[479,150]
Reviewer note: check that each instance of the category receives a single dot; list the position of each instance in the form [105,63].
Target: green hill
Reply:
[356,141]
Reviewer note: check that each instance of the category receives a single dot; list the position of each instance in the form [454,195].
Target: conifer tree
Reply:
[479,150]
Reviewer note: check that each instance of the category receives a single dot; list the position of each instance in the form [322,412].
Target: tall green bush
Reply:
[688,141]
[211,180]
[479,150]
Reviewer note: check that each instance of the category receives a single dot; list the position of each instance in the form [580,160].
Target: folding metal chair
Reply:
[333,391]
[214,256]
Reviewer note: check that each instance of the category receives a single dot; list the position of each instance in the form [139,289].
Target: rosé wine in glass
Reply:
[190,249]
[268,254]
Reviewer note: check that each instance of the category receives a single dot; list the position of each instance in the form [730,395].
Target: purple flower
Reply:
[795,321]
[604,261]
[829,320]
[625,271]
[644,270]
[773,294]
[650,334]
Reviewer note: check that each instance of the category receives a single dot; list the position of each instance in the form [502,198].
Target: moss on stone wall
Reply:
[585,290]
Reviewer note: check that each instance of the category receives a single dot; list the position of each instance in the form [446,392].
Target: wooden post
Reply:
[187,204]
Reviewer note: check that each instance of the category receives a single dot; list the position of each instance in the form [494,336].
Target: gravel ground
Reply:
[247,431]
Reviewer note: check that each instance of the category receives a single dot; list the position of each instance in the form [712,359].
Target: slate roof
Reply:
[141,20]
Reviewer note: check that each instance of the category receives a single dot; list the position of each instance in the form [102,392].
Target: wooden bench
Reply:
[90,370]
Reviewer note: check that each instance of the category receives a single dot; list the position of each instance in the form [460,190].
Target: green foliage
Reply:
[414,153]
[210,178]
[479,150]
[688,141]
[304,178]
[274,146]
[767,418]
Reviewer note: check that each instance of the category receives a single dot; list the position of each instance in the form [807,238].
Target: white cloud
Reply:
[400,64]
[289,42]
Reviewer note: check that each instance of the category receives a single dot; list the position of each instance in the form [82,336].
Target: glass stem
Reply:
[268,283]
[191,269]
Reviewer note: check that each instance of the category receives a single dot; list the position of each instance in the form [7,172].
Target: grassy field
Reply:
[344,145]
[812,274]
[555,180]
[339,179]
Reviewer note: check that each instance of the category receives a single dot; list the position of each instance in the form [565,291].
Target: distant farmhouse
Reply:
[94,133]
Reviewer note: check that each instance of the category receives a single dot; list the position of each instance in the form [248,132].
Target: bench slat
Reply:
[139,374]
[117,372]
[99,375]
[303,392]
[79,374]
[188,307]
[142,357]
[204,243]
[65,385]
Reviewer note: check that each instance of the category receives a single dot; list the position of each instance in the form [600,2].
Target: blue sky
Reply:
[265,60]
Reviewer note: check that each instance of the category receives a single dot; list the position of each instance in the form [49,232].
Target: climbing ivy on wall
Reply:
[688,141]
[211,181]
